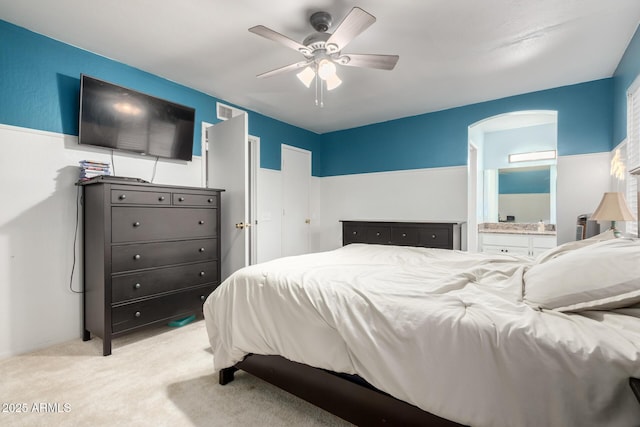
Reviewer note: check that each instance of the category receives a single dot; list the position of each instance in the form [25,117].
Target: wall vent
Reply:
[225,112]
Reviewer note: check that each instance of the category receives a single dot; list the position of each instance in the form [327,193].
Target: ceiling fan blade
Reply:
[285,69]
[268,33]
[353,24]
[381,62]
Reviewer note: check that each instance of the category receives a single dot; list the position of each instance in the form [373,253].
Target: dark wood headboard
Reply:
[444,235]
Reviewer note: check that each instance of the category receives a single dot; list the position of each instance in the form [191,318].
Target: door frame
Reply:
[253,168]
[473,194]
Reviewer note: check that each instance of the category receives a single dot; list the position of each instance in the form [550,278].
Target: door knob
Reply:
[242,225]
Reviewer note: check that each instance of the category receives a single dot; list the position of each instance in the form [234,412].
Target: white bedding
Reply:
[444,330]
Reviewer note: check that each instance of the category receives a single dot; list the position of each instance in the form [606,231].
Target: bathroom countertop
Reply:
[516,228]
[514,231]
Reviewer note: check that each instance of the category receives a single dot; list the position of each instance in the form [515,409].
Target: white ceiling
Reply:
[452,53]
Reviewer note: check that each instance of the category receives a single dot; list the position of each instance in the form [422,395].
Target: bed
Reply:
[403,335]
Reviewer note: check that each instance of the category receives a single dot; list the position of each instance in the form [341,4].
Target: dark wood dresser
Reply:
[151,254]
[444,235]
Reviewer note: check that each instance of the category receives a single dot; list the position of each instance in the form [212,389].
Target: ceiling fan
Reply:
[323,50]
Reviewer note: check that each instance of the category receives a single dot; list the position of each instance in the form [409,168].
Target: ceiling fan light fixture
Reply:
[306,76]
[323,50]
[333,82]
[326,69]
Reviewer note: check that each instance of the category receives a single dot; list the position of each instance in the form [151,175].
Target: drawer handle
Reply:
[201,250]
[122,196]
[181,199]
[138,314]
[202,274]
[378,234]
[433,236]
[210,200]
[137,256]
[161,198]
[354,233]
[202,298]
[201,222]
[137,286]
[404,234]
[136,224]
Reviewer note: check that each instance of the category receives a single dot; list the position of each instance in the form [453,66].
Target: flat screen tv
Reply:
[116,117]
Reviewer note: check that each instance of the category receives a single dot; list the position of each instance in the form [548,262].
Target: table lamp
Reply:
[613,207]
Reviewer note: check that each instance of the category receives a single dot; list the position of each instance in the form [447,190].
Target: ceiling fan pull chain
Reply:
[317,81]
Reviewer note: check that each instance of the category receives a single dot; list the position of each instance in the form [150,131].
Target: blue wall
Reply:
[40,85]
[626,72]
[497,145]
[585,117]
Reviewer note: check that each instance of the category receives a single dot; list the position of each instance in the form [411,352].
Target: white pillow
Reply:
[563,249]
[601,276]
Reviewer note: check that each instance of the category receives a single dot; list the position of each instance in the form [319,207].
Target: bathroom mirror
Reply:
[520,194]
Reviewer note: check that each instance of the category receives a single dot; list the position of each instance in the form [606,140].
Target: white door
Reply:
[296,180]
[227,169]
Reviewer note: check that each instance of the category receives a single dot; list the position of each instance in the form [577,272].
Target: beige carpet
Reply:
[159,377]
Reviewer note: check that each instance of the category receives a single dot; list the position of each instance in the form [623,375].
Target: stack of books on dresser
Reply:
[92,168]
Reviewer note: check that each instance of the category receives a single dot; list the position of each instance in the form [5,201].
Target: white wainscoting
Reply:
[582,180]
[38,171]
[435,194]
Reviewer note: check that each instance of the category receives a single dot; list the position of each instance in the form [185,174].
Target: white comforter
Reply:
[444,330]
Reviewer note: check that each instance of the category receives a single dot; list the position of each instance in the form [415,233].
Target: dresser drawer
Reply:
[138,285]
[164,308]
[436,238]
[146,255]
[134,224]
[378,235]
[133,197]
[186,199]
[506,250]
[354,234]
[405,236]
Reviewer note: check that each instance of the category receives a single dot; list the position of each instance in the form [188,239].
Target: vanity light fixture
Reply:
[532,156]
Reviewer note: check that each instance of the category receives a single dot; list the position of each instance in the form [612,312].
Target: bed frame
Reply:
[346,396]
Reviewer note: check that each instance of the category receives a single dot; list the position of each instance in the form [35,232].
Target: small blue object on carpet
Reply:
[182,322]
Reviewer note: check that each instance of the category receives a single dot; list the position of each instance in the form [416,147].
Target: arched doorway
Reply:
[491,141]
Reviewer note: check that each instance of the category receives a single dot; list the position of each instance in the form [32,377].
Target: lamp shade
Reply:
[306,76]
[613,207]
